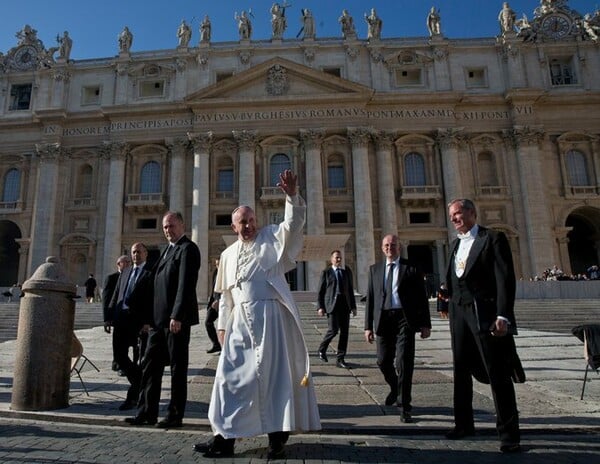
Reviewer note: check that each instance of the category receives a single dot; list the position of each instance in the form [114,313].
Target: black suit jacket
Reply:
[140,299]
[412,292]
[175,281]
[108,288]
[328,289]
[489,276]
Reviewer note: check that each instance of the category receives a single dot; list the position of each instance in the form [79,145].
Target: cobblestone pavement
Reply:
[557,427]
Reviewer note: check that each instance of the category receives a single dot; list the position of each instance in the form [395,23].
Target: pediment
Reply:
[279,79]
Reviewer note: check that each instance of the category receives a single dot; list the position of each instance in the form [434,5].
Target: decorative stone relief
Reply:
[277,80]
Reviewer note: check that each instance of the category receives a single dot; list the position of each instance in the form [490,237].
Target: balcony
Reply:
[419,195]
[146,202]
[493,191]
[581,191]
[272,196]
[83,203]
[8,207]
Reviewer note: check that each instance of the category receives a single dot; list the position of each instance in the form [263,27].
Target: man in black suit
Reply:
[397,308]
[336,299]
[131,306]
[481,285]
[175,311]
[212,314]
[108,288]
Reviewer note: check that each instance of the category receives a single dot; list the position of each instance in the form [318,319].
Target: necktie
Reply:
[338,276]
[130,284]
[388,287]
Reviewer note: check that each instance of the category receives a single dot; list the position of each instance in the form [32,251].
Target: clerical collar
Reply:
[470,234]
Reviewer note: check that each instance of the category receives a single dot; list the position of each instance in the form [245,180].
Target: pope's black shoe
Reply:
[216,447]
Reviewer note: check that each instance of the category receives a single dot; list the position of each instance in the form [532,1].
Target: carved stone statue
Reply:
[278,21]
[27,35]
[65,43]
[244,26]
[434,25]
[205,30]
[184,34]
[308,24]
[125,40]
[525,31]
[591,26]
[374,24]
[347,23]
[507,18]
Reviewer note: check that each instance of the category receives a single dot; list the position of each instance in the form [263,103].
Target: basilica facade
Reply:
[383,133]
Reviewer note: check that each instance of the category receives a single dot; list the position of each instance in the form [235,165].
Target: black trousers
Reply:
[165,348]
[472,349]
[125,335]
[396,355]
[211,316]
[337,321]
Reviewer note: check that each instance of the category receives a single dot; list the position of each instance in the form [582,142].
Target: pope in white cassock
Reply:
[262,382]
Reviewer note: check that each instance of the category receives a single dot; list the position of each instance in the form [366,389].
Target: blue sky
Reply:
[95,25]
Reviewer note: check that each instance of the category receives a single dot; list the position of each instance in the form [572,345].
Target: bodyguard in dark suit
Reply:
[397,308]
[131,306]
[108,289]
[212,314]
[175,311]
[336,299]
[481,284]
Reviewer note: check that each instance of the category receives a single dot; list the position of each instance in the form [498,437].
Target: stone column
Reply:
[201,143]
[449,141]
[315,218]
[363,220]
[177,149]
[61,79]
[113,221]
[246,141]
[385,182]
[541,249]
[44,207]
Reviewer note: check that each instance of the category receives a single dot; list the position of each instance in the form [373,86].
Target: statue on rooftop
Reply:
[374,24]
[184,34]
[125,40]
[65,43]
[205,30]
[244,26]
[308,24]
[507,18]
[347,23]
[434,22]
[278,21]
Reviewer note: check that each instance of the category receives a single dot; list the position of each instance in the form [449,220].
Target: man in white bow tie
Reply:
[481,285]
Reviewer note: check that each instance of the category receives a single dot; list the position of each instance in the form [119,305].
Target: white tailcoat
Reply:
[259,384]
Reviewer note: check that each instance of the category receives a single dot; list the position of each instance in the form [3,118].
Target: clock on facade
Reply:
[26,57]
[556,26]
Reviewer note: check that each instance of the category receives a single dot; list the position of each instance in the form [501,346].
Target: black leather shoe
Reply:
[276,451]
[126,405]
[459,434]
[140,420]
[406,417]
[323,356]
[169,423]
[391,398]
[216,447]
[214,349]
[510,448]
[342,363]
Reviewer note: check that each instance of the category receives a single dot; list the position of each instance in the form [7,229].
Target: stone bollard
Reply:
[43,352]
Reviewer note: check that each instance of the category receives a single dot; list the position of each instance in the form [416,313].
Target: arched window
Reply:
[84,182]
[150,178]
[577,168]
[279,163]
[414,169]
[12,186]
[336,176]
[487,170]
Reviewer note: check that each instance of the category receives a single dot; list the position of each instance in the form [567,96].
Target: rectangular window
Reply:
[338,217]
[333,71]
[152,88]
[476,77]
[223,220]
[225,180]
[221,76]
[20,97]
[419,218]
[147,223]
[409,77]
[562,71]
[90,95]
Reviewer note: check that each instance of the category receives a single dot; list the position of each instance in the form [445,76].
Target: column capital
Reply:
[359,136]
[177,145]
[114,150]
[49,151]
[201,141]
[450,137]
[246,139]
[384,139]
[312,138]
[521,136]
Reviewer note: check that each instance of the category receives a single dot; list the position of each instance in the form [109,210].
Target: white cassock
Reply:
[263,382]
